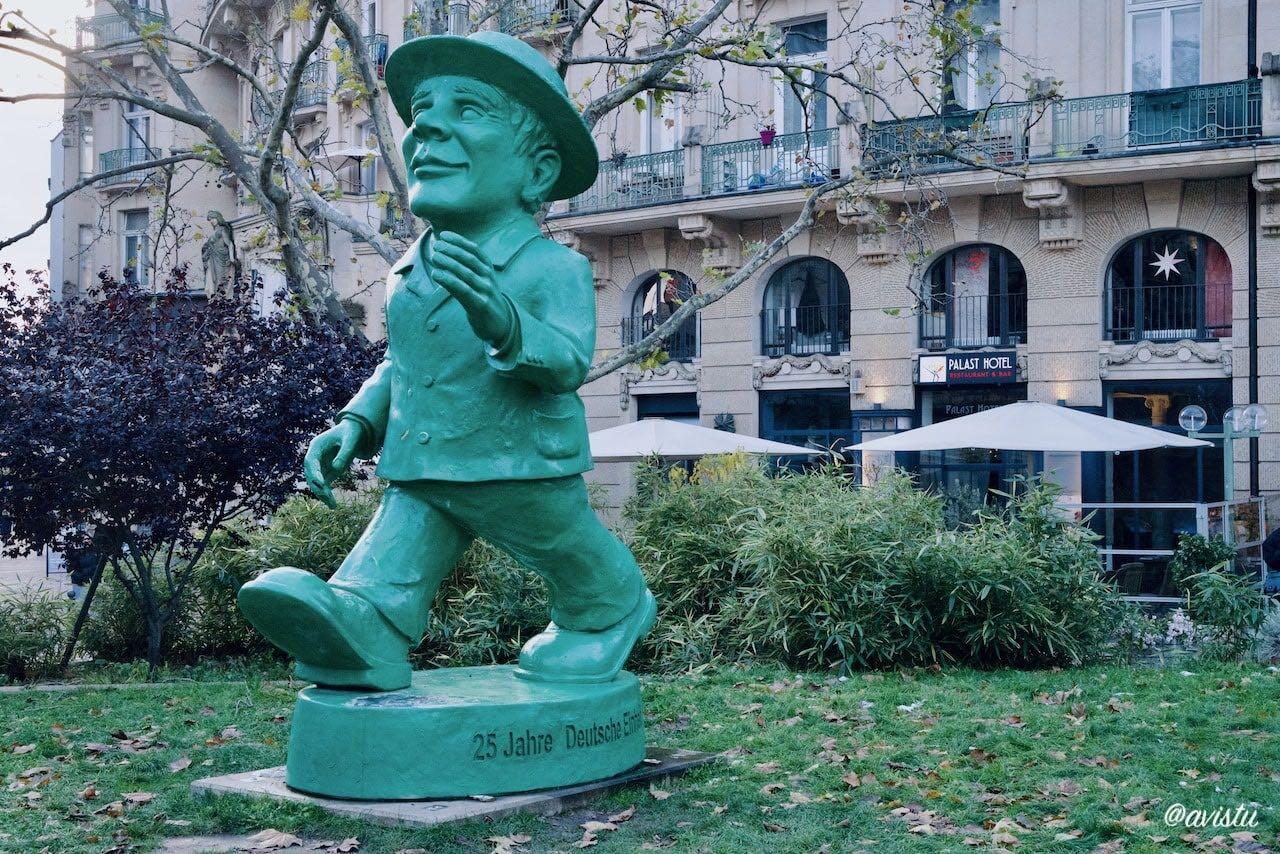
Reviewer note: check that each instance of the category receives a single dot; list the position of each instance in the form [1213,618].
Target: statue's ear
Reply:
[545,171]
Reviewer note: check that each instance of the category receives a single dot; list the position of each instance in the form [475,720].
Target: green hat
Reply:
[516,68]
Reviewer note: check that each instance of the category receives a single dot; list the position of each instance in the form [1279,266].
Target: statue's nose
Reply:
[429,124]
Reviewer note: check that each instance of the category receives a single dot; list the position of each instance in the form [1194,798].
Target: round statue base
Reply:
[463,731]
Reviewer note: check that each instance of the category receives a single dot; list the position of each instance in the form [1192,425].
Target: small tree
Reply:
[135,425]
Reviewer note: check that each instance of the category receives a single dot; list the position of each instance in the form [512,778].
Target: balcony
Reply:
[805,330]
[789,160]
[426,19]
[1168,313]
[523,16]
[634,181]
[313,87]
[103,32]
[1105,125]
[377,46]
[122,157]
[681,346]
[971,321]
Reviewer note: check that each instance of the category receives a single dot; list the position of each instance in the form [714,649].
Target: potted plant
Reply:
[767,133]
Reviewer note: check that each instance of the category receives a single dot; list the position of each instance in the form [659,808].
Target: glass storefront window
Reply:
[967,475]
[814,418]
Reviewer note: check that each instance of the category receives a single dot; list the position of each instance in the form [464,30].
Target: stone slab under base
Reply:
[461,731]
[269,783]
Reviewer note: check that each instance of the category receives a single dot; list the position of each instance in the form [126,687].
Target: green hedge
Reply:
[799,569]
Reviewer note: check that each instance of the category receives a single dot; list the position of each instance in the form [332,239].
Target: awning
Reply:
[676,441]
[347,152]
[1032,426]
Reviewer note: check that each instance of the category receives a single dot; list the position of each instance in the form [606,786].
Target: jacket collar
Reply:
[500,247]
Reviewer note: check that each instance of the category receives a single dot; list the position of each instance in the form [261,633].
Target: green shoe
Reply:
[338,639]
[564,655]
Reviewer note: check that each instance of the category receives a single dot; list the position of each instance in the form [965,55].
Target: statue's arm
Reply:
[370,406]
[552,339]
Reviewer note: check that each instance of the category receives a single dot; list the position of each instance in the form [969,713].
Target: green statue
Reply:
[475,412]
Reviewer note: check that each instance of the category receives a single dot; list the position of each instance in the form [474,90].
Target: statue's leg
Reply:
[600,605]
[356,631]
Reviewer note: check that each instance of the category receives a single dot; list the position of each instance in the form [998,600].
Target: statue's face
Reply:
[460,150]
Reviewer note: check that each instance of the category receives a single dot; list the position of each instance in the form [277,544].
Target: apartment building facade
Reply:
[1130,266]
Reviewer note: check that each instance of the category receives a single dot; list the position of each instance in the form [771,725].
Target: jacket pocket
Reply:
[555,435]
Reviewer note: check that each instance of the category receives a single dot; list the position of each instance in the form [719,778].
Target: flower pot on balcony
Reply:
[766,136]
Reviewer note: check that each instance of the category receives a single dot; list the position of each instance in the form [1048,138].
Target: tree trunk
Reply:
[155,637]
[83,616]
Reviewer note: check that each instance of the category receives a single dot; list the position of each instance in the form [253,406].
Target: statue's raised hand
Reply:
[330,455]
[461,268]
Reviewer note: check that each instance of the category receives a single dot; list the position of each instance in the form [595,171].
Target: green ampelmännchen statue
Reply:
[480,431]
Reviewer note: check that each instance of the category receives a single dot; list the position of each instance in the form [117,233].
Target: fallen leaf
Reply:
[767,767]
[588,840]
[980,756]
[88,793]
[770,788]
[273,840]
[138,798]
[598,826]
[625,815]
[774,827]
[852,779]
[19,749]
[658,794]
[180,764]
[501,844]
[347,845]
[230,732]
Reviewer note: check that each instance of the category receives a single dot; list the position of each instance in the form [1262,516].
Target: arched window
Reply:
[1166,286]
[655,300]
[806,309]
[974,296]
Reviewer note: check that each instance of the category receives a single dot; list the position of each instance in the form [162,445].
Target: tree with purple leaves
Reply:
[134,425]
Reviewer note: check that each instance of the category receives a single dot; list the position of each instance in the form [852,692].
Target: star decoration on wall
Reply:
[1167,263]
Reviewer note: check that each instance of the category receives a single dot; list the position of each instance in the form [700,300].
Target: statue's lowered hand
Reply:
[330,455]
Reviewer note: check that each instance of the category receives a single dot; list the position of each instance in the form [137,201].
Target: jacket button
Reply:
[428,380]
[433,325]
[424,438]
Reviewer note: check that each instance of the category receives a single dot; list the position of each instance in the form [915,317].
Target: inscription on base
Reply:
[521,744]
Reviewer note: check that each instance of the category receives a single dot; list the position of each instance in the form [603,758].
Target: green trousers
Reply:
[422,528]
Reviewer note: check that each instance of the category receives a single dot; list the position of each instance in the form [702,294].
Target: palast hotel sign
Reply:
[995,366]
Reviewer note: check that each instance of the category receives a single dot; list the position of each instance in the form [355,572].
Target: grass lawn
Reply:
[919,761]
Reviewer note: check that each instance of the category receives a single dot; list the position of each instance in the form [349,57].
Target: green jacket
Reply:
[444,405]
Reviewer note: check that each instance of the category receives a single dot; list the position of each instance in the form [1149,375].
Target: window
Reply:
[84,259]
[812,418]
[662,124]
[971,76]
[370,19]
[806,309]
[368,166]
[1166,286]
[975,296]
[966,476]
[88,163]
[804,105]
[1164,44]
[136,248]
[654,301]
[136,132]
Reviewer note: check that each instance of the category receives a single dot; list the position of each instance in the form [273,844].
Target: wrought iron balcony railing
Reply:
[789,160]
[1109,124]
[997,135]
[430,18]
[1102,125]
[1157,312]
[313,88]
[122,157]
[522,16]
[634,181]
[970,321]
[102,31]
[681,346]
[805,330]
[376,43]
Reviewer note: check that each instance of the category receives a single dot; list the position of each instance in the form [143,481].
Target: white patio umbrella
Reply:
[1032,426]
[675,441]
[339,156]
